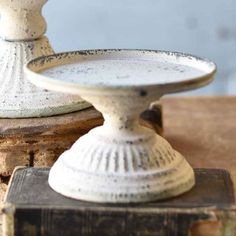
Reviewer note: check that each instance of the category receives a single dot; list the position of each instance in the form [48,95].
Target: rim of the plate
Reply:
[168,87]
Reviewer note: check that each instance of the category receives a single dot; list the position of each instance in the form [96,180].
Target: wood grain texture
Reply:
[39,141]
[203,129]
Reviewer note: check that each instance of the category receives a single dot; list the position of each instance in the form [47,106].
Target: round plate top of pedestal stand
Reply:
[120,69]
[121,161]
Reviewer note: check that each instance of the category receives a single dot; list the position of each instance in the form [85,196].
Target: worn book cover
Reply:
[32,208]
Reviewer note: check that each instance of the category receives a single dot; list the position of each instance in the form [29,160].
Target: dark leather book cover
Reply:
[32,208]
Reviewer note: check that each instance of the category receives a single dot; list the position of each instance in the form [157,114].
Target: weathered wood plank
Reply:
[39,141]
[203,129]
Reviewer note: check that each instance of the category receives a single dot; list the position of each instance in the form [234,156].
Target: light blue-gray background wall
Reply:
[206,28]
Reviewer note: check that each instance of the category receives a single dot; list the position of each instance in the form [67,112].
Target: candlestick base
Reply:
[136,168]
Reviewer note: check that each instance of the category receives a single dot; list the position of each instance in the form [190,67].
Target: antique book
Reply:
[31,207]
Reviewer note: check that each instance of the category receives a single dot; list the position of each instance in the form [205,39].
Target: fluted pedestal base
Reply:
[18,97]
[138,167]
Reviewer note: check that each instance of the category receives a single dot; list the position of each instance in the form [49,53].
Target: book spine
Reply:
[49,222]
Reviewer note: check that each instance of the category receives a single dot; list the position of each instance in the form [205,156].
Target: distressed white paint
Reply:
[21,19]
[119,72]
[120,161]
[21,23]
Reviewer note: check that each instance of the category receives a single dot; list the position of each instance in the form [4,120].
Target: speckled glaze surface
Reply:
[121,161]
[21,29]
[22,19]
